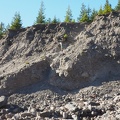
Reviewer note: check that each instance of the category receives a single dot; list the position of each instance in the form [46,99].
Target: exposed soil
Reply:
[47,76]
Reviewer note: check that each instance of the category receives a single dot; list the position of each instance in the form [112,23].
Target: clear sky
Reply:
[28,9]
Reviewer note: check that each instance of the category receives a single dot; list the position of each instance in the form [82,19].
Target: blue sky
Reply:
[29,9]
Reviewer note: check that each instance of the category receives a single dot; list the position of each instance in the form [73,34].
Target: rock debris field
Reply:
[65,71]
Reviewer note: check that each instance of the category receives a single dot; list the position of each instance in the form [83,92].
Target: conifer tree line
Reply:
[86,14]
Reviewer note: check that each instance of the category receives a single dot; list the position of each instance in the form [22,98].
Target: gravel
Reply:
[45,102]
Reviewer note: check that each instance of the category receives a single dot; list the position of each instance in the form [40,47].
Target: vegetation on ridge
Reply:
[16,23]
[68,17]
[86,15]
[2,30]
[41,17]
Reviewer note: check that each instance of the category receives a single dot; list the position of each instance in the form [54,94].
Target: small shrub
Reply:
[65,37]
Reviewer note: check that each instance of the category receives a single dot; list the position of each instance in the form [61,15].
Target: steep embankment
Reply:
[94,57]
[89,55]
[26,55]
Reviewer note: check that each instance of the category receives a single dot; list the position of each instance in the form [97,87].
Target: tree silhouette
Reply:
[100,12]
[2,28]
[41,16]
[118,6]
[107,8]
[84,14]
[68,17]
[93,15]
[89,12]
[55,20]
[16,23]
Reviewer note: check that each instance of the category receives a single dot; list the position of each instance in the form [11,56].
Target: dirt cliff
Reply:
[67,55]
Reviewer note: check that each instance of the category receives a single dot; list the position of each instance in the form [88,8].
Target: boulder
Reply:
[3,101]
[71,106]
[46,114]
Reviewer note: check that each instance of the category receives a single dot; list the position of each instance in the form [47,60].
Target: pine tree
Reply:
[100,12]
[82,11]
[84,18]
[7,27]
[88,12]
[48,20]
[107,8]
[68,17]
[118,6]
[41,16]
[2,28]
[84,14]
[73,20]
[55,20]
[93,15]
[16,23]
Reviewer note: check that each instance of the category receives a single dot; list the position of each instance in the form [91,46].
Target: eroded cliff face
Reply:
[88,55]
[94,57]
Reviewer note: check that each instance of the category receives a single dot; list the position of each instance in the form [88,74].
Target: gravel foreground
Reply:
[46,102]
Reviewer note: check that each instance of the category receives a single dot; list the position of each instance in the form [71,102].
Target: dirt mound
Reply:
[67,55]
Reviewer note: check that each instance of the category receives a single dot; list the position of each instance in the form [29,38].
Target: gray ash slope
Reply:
[40,66]
[89,55]
[26,55]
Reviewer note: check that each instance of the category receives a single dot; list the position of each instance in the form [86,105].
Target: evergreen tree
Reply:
[84,18]
[100,12]
[41,16]
[89,12]
[107,8]
[55,20]
[16,23]
[118,6]
[84,14]
[7,27]
[49,20]
[82,11]
[93,15]
[73,20]
[68,17]
[2,28]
